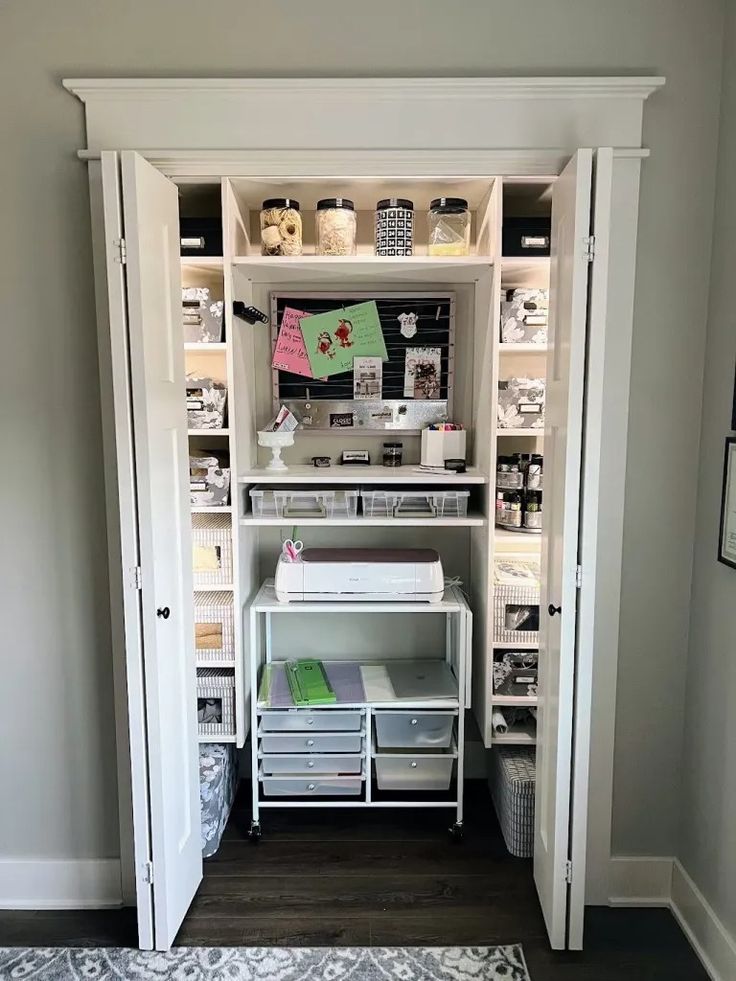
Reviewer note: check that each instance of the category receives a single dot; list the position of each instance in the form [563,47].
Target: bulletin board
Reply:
[325,405]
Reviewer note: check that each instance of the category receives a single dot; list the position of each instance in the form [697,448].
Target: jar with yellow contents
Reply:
[449,227]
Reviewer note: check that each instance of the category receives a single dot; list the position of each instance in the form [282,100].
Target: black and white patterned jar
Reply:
[395,226]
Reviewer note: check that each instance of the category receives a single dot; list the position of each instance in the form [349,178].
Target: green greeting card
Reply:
[333,339]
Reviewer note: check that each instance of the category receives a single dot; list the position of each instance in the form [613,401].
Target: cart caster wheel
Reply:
[457,832]
[255,832]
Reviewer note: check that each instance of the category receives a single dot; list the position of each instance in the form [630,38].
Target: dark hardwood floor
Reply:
[383,878]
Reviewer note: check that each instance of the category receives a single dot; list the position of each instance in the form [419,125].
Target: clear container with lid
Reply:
[395,226]
[336,227]
[281,227]
[449,227]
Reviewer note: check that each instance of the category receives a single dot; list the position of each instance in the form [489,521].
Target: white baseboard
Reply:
[80,884]
[710,940]
[640,880]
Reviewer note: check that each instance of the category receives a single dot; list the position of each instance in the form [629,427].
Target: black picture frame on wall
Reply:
[727,527]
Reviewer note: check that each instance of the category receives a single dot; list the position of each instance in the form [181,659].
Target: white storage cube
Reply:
[309,763]
[214,629]
[212,549]
[399,772]
[415,730]
[516,602]
[319,786]
[215,703]
[305,742]
[383,503]
[305,720]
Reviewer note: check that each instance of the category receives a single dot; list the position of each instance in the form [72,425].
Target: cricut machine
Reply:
[370,574]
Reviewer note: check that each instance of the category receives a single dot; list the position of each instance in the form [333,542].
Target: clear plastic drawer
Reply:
[400,772]
[305,763]
[305,742]
[325,785]
[415,730]
[304,720]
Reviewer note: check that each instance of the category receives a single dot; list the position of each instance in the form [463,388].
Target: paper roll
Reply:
[499,723]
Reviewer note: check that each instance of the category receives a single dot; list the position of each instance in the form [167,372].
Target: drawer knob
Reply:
[310,786]
[310,764]
[310,742]
[414,721]
[413,764]
[310,722]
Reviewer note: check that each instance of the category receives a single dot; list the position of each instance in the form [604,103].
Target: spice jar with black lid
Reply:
[395,226]
[336,227]
[449,227]
[281,227]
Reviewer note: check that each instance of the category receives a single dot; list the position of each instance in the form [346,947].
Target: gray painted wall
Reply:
[707,846]
[56,736]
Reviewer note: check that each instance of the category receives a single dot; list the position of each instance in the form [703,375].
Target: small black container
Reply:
[526,236]
[392,454]
[201,236]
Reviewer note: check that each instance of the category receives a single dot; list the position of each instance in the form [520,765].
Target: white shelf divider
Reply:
[471,521]
[407,474]
[523,349]
[296,270]
[536,433]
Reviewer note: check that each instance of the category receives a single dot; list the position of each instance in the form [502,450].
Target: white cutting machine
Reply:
[372,574]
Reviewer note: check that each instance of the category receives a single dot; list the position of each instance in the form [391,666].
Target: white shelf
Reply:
[202,261]
[204,509]
[216,664]
[201,347]
[311,268]
[514,701]
[471,521]
[338,474]
[519,349]
[217,739]
[536,433]
[511,645]
[518,736]
[209,432]
[266,602]
[513,541]
[227,588]
[530,272]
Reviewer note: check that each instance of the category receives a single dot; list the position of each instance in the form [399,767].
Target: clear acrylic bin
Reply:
[399,772]
[415,503]
[307,742]
[303,720]
[414,730]
[319,786]
[306,763]
[304,503]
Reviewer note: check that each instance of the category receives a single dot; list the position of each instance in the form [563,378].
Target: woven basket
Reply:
[212,549]
[216,702]
[505,596]
[513,781]
[214,630]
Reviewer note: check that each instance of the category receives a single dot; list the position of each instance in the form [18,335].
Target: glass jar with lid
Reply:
[449,227]
[281,227]
[336,227]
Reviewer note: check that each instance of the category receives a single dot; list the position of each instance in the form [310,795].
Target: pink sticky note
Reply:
[290,353]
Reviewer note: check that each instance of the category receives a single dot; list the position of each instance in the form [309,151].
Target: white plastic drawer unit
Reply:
[326,785]
[402,772]
[414,730]
[306,721]
[306,742]
[297,763]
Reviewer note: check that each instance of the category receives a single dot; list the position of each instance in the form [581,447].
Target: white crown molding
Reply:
[372,89]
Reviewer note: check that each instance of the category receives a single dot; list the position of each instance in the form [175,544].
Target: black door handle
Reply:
[164,612]
[551,609]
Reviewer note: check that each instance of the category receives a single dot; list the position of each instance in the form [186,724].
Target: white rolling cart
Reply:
[336,755]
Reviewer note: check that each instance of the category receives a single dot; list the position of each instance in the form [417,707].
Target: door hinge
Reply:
[589,243]
[122,256]
[137,578]
[568,872]
[579,577]
[148,873]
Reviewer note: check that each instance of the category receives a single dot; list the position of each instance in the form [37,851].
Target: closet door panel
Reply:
[151,220]
[562,464]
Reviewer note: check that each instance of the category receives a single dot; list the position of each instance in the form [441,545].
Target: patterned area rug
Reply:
[265,964]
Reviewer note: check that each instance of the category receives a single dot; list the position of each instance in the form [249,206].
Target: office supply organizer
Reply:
[328,404]
[370,747]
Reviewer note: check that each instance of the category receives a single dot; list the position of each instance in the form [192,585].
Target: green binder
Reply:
[308,683]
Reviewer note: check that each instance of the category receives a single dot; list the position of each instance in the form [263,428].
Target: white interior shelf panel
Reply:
[407,474]
[266,602]
[470,521]
[297,270]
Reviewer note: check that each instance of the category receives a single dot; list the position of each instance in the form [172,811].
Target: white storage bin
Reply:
[205,403]
[212,549]
[309,763]
[209,483]
[215,703]
[413,503]
[214,634]
[516,607]
[305,720]
[305,742]
[399,772]
[319,786]
[304,503]
[202,316]
[415,730]
[440,445]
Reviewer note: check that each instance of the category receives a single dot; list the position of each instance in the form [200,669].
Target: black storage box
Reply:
[201,236]
[526,236]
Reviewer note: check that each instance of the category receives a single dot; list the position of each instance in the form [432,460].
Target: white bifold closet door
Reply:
[164,750]
[557,824]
